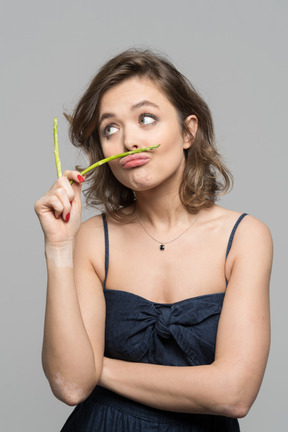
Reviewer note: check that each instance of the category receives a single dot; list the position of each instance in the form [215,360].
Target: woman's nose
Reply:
[130,140]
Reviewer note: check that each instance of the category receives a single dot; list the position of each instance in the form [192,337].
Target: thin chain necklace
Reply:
[163,244]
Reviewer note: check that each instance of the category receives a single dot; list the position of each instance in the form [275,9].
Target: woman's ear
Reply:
[191,123]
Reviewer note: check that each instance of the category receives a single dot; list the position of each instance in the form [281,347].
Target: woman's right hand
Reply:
[59,210]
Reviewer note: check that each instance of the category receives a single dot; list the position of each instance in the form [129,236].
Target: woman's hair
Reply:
[200,184]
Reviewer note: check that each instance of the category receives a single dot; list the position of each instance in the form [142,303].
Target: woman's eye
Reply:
[146,119]
[109,130]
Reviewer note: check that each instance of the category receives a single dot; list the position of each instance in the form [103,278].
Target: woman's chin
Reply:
[140,182]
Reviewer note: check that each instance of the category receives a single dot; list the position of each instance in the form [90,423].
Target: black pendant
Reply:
[162,247]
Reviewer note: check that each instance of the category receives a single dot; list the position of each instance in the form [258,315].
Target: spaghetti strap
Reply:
[233,233]
[106,237]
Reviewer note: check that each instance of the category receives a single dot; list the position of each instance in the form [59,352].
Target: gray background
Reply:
[235,52]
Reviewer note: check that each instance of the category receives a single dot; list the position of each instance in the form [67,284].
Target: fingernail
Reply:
[67,217]
[80,178]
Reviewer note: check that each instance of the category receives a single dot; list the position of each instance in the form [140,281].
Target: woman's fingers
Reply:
[60,197]
[57,206]
[74,175]
[61,201]
[66,193]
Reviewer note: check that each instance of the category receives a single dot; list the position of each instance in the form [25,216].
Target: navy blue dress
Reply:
[138,330]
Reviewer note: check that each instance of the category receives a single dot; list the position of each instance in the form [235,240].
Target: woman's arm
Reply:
[230,384]
[73,341]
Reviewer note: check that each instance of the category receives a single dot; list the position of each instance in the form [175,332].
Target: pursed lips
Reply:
[135,160]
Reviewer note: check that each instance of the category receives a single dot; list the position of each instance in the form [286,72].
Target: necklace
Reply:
[163,244]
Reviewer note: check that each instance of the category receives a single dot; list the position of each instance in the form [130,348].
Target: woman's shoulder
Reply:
[248,221]
[250,233]
[93,224]
[90,244]
[90,233]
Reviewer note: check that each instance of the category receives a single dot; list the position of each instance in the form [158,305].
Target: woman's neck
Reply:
[161,206]
[161,211]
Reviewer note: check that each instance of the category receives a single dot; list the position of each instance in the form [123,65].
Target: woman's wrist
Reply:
[60,254]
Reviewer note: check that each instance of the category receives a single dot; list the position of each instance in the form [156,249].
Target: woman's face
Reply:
[136,114]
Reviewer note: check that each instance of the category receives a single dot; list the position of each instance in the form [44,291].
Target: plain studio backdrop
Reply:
[234,52]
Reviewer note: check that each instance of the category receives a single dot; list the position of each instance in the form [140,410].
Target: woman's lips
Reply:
[134,160]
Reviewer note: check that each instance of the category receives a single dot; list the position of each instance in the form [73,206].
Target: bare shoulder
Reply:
[252,244]
[254,233]
[90,230]
[90,245]
[249,229]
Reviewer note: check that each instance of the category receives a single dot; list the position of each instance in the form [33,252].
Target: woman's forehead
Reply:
[134,93]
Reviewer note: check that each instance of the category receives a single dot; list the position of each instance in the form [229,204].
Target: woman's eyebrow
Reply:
[105,116]
[144,102]
[138,105]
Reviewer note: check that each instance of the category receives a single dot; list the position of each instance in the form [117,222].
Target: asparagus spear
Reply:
[120,155]
[95,165]
[56,148]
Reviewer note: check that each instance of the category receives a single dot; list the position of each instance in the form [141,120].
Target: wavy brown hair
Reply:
[205,175]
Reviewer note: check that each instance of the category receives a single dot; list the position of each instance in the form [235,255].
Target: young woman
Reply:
[157,309]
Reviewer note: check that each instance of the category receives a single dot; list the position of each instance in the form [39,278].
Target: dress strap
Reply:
[106,237]
[233,233]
